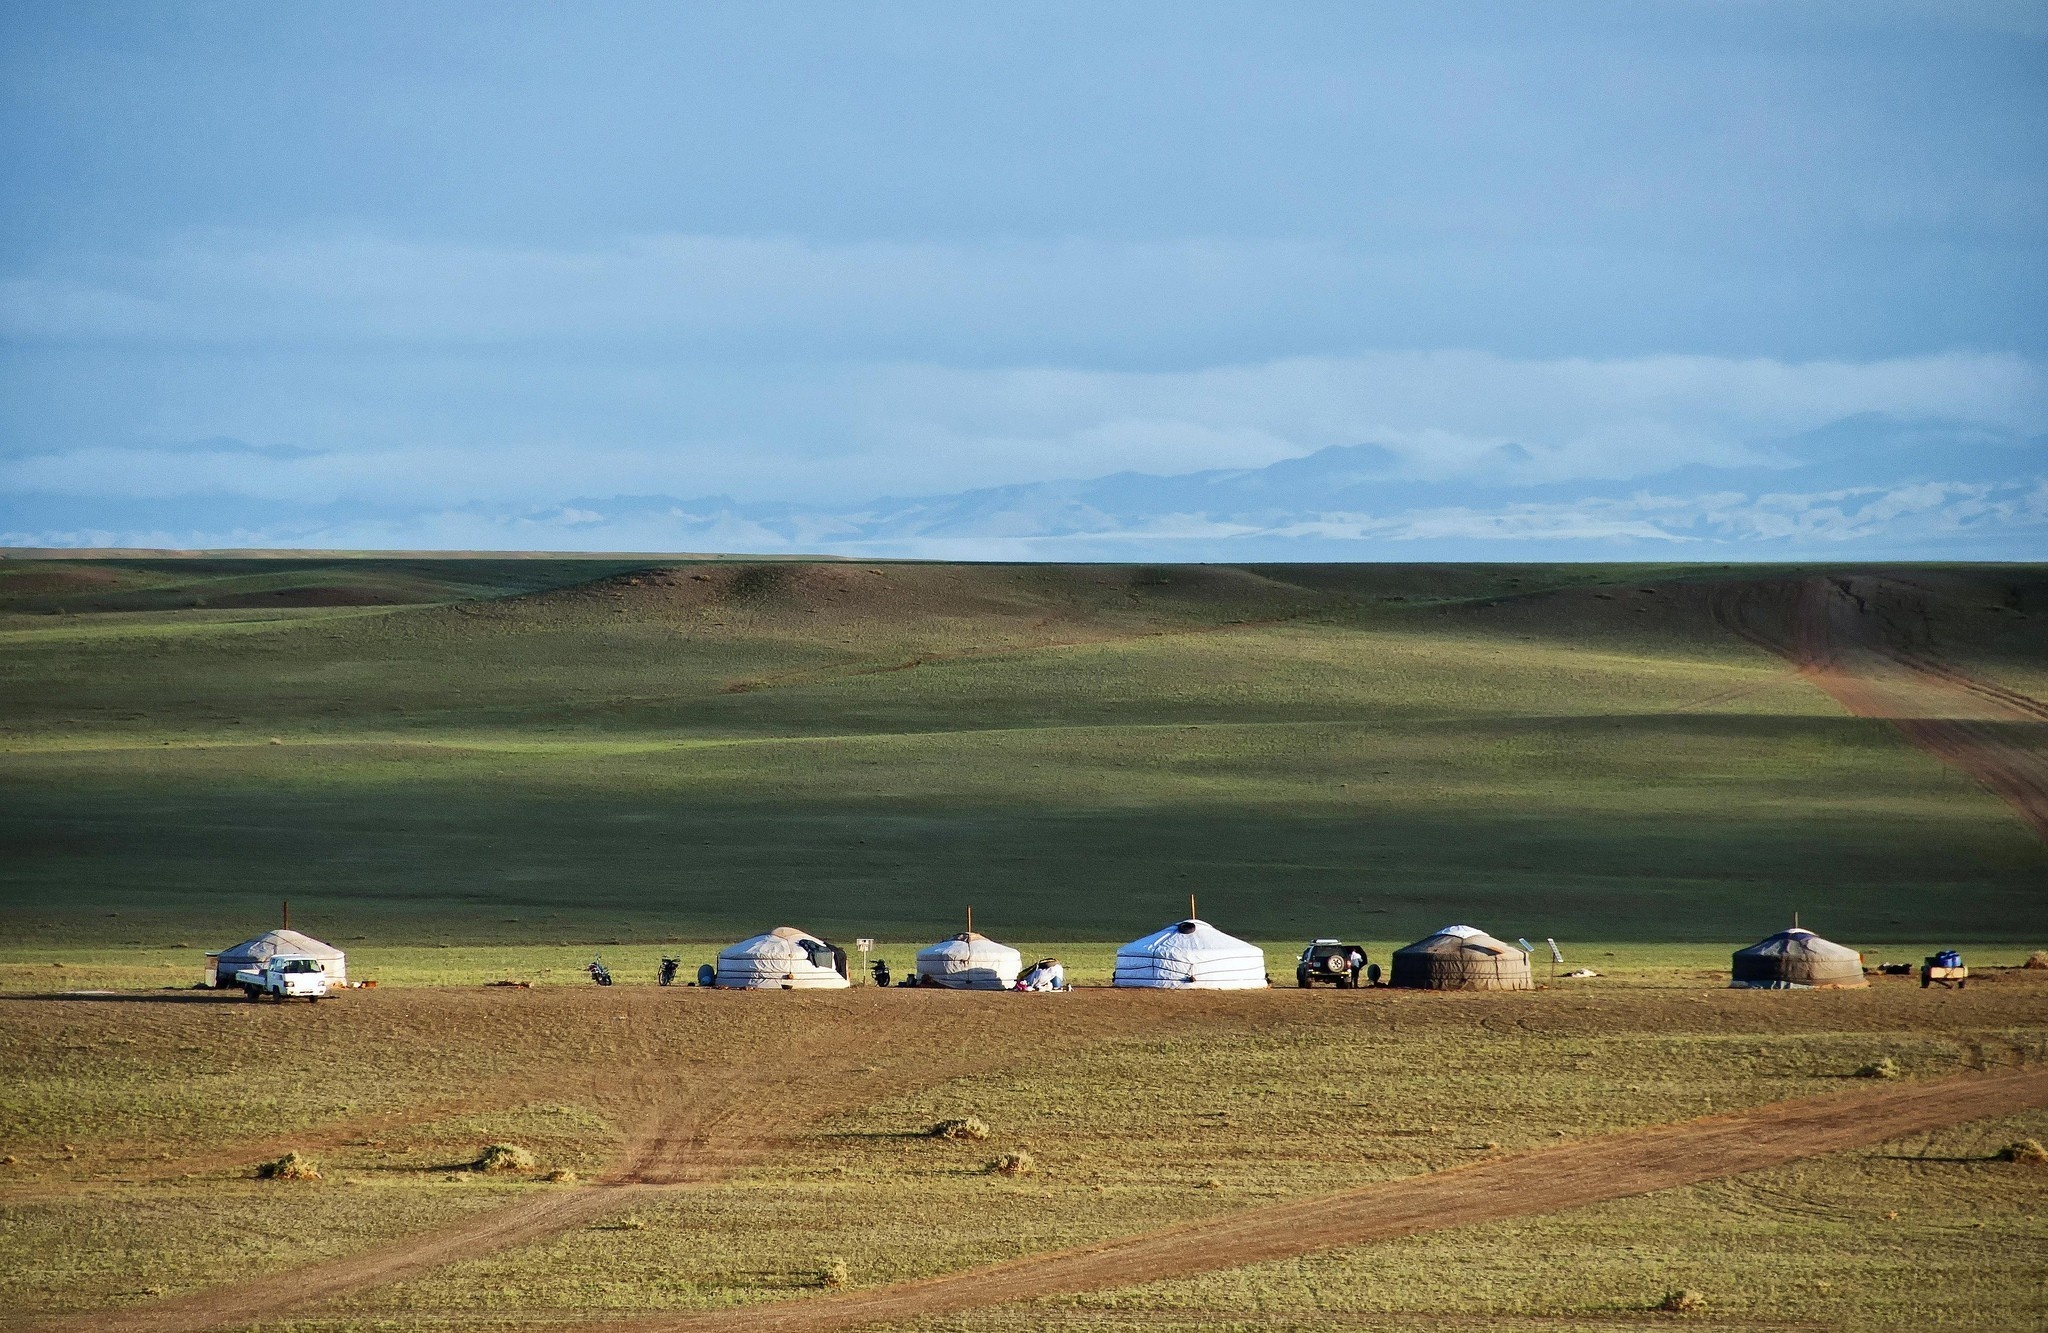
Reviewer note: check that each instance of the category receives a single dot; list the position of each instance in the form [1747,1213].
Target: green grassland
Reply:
[476,752]
[473,770]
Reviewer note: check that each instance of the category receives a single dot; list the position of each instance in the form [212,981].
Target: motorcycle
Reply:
[599,973]
[667,975]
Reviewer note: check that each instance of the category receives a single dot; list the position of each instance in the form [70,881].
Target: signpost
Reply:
[864,944]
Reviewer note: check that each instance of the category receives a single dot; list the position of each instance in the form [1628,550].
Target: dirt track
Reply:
[1863,640]
[1570,1176]
[693,1130]
[688,1135]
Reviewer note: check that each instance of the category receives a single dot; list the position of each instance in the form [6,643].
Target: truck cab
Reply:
[285,976]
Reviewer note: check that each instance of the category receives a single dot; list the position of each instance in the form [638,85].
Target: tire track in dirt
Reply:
[689,1135]
[1549,1180]
[1839,635]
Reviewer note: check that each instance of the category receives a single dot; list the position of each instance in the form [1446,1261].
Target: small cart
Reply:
[1946,969]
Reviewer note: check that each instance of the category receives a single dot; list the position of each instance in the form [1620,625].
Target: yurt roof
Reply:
[281,941]
[966,942]
[1188,938]
[1457,939]
[781,942]
[1797,941]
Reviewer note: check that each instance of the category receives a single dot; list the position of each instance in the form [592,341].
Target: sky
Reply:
[752,276]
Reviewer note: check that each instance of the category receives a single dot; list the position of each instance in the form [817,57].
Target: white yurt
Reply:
[783,959]
[1191,953]
[222,966]
[969,961]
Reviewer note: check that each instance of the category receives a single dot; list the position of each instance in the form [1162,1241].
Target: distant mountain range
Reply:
[1864,487]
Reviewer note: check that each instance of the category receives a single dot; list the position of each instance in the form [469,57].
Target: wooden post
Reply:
[287,914]
[970,918]
[1191,907]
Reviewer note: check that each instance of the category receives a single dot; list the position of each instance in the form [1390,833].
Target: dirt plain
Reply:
[708,1093]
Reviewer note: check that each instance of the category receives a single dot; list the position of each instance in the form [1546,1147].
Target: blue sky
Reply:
[668,276]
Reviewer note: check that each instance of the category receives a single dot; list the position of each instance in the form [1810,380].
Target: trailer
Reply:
[1944,969]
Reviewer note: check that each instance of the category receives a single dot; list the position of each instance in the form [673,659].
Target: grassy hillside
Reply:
[515,751]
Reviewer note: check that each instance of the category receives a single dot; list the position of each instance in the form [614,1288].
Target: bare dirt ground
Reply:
[686,1136]
[1864,639]
[692,1130]
[1612,1167]
[710,1083]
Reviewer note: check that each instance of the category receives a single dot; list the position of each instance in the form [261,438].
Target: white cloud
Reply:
[703,290]
[832,434]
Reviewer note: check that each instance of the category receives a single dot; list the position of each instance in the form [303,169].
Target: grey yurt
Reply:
[1796,959]
[221,967]
[1461,958]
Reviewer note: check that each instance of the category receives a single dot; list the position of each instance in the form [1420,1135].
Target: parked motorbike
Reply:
[599,973]
[667,975]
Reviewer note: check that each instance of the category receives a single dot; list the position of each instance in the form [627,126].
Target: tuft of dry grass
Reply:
[2027,1152]
[2038,960]
[1885,1068]
[834,1273]
[1686,1301]
[294,1165]
[504,1157]
[563,1176]
[1016,1163]
[966,1127]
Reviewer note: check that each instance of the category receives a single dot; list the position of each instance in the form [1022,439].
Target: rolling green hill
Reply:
[509,750]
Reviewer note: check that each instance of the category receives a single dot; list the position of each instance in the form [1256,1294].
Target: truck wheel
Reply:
[1301,979]
[249,991]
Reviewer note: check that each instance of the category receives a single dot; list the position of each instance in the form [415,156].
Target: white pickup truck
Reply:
[285,976]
